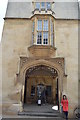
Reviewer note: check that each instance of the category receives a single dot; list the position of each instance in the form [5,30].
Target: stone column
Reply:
[22,99]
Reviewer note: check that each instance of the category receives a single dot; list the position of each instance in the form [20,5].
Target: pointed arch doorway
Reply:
[41,80]
[48,72]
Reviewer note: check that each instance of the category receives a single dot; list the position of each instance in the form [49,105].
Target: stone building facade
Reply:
[40,53]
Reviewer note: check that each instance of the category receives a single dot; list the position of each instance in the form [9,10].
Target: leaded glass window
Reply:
[45,38]
[42,32]
[39,38]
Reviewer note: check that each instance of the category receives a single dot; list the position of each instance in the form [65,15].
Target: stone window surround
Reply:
[50,20]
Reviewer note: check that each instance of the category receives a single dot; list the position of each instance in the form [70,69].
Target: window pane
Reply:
[39,27]
[32,38]
[43,5]
[37,5]
[45,37]
[52,39]
[51,33]
[48,5]
[51,26]
[39,38]
[33,26]
[45,26]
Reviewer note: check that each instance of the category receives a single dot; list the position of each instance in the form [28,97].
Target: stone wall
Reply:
[17,37]
[66,41]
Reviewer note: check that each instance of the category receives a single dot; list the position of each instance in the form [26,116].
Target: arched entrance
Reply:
[39,71]
[41,81]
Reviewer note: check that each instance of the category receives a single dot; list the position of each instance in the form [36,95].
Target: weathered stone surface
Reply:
[16,40]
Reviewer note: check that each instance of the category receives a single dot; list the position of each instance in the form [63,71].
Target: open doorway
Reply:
[41,80]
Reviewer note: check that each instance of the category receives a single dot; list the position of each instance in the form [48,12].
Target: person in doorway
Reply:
[64,103]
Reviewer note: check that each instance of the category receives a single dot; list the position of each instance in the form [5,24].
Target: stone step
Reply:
[36,118]
[40,114]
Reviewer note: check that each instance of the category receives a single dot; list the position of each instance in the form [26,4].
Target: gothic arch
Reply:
[57,64]
[53,64]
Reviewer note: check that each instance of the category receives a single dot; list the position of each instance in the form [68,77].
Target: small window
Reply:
[37,5]
[48,5]
[39,38]
[45,38]
[39,27]
[43,5]
[32,90]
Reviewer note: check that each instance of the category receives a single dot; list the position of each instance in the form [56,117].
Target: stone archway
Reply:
[54,63]
[41,81]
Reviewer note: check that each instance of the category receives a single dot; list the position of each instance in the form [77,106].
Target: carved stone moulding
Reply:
[58,61]
[42,51]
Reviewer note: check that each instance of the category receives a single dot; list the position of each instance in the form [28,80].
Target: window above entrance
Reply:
[43,30]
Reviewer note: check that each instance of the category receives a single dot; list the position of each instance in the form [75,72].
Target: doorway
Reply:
[41,93]
[41,81]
